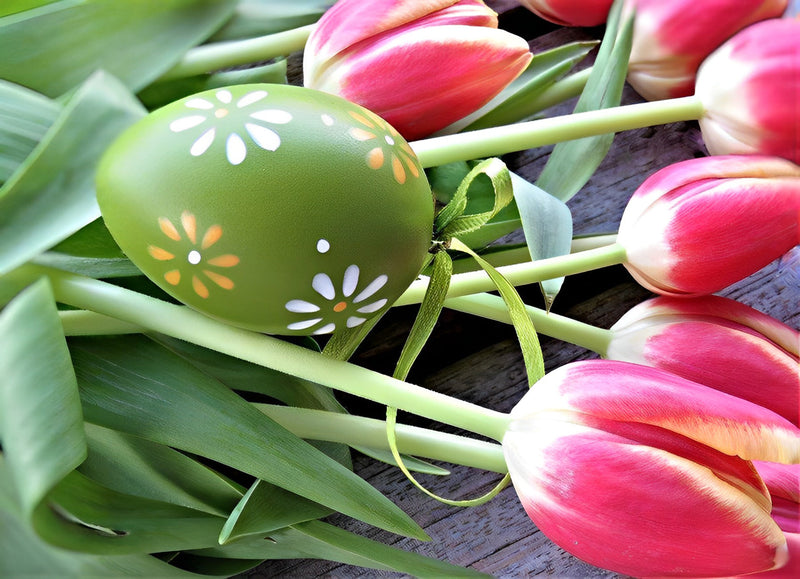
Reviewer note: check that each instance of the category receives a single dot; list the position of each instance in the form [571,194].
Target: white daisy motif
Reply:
[337,302]
[235,145]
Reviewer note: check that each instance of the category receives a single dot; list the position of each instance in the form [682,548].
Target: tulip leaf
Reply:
[25,117]
[92,240]
[132,465]
[547,223]
[518,100]
[164,92]
[260,17]
[247,377]
[266,508]
[24,554]
[51,195]
[319,540]
[41,424]
[55,47]
[133,385]
[572,163]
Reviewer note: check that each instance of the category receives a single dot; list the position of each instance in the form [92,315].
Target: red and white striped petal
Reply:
[717,342]
[631,393]
[640,500]
[689,235]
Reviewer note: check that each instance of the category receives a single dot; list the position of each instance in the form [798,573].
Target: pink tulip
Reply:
[717,342]
[671,39]
[697,226]
[570,12]
[419,65]
[783,483]
[750,89]
[642,472]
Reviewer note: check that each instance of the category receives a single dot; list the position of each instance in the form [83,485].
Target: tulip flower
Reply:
[751,89]
[642,472]
[419,65]
[692,228]
[570,12]
[697,226]
[671,40]
[717,342]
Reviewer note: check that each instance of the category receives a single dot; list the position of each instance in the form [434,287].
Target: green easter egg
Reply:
[275,208]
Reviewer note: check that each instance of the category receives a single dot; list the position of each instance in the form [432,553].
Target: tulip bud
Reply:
[642,472]
[697,226]
[570,12]
[750,89]
[671,39]
[419,65]
[717,342]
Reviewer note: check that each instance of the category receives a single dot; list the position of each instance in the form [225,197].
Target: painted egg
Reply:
[275,208]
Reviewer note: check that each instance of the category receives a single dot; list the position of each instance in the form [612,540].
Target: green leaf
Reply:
[547,223]
[25,117]
[266,508]
[51,195]
[93,240]
[98,268]
[518,100]
[24,554]
[572,163]
[133,385]
[135,466]
[41,424]
[163,92]
[246,377]
[318,540]
[260,17]
[58,46]
[82,515]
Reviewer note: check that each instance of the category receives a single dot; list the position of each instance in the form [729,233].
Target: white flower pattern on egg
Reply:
[235,146]
[338,301]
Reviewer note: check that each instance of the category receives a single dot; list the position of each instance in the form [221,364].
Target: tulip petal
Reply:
[718,308]
[714,341]
[717,167]
[622,391]
[671,39]
[750,87]
[413,92]
[349,22]
[639,510]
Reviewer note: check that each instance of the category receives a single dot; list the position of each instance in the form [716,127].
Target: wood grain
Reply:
[479,361]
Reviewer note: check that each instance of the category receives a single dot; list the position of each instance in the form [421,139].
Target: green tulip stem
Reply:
[474,282]
[492,307]
[495,141]
[185,324]
[211,57]
[359,431]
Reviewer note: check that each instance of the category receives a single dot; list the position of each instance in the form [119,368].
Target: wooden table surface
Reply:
[480,361]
